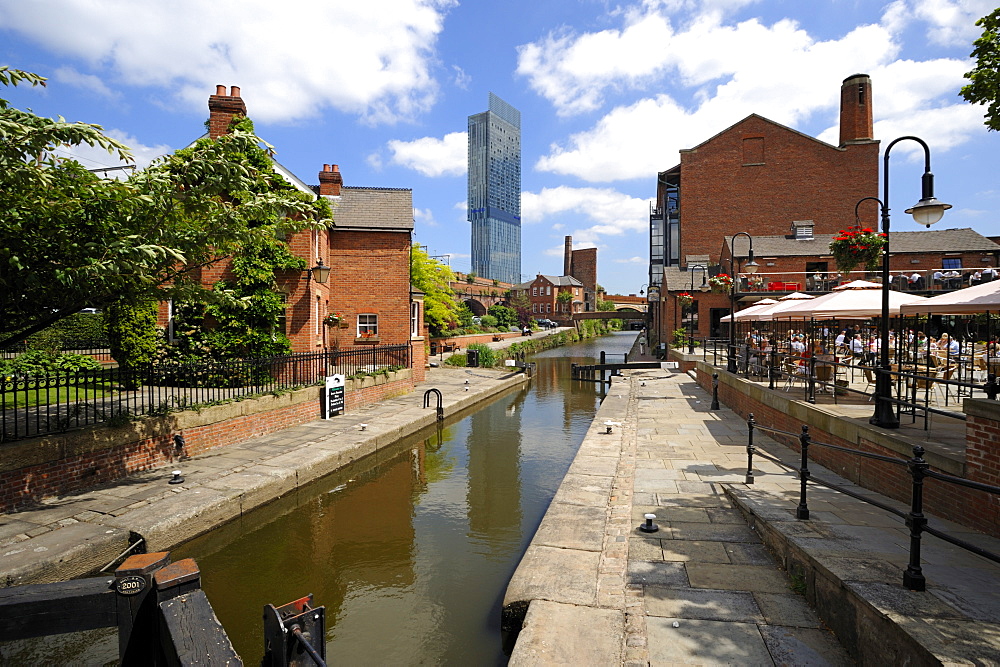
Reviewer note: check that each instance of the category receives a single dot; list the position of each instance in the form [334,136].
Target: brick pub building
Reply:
[792,193]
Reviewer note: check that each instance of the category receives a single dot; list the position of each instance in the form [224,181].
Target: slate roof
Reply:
[559,281]
[373,208]
[932,240]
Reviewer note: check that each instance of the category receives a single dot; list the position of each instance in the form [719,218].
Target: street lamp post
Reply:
[704,287]
[653,302]
[750,267]
[927,211]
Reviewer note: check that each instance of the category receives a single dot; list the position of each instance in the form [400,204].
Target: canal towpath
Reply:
[731,576]
[72,535]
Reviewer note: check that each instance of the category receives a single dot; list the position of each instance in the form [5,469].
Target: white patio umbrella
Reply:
[742,314]
[979,299]
[856,300]
[776,311]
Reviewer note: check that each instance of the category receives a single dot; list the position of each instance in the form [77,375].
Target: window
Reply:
[534,307]
[319,318]
[548,307]
[367,326]
[548,290]
[415,319]
[534,291]
[283,315]
[951,263]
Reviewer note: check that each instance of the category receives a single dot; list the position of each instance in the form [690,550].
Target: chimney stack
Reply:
[222,108]
[568,256]
[856,109]
[330,180]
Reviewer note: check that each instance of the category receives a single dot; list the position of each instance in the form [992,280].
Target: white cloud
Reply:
[431,156]
[596,212]
[724,73]
[461,79]
[952,22]
[291,59]
[93,157]
[633,260]
[89,82]
[424,216]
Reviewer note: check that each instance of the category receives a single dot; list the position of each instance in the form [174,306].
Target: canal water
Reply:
[411,550]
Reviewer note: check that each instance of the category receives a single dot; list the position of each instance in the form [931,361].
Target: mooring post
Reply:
[913,578]
[802,511]
[715,391]
[137,618]
[603,357]
[771,366]
[750,449]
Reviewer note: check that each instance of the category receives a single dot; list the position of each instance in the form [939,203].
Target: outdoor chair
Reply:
[794,373]
[869,375]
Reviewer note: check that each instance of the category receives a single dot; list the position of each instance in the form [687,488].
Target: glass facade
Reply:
[495,191]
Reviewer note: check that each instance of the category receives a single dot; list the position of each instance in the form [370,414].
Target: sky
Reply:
[608,94]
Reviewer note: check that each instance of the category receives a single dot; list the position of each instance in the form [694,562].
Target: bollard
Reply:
[913,578]
[750,450]
[771,366]
[992,386]
[649,526]
[715,391]
[802,511]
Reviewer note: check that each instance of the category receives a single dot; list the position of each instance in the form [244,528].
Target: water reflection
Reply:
[410,550]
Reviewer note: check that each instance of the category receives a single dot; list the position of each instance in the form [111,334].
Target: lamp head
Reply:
[751,266]
[928,210]
[705,287]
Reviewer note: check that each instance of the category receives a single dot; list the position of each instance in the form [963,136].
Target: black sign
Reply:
[130,585]
[333,396]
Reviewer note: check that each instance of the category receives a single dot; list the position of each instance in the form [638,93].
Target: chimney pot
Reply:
[220,89]
[234,91]
[335,168]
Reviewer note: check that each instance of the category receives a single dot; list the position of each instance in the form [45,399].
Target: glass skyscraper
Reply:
[495,191]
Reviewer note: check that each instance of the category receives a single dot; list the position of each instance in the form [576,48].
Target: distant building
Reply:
[494,209]
[582,265]
[543,293]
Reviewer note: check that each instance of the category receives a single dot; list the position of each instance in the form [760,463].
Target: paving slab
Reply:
[563,634]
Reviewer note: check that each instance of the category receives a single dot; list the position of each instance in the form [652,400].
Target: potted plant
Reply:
[721,284]
[857,246]
[333,320]
[685,299]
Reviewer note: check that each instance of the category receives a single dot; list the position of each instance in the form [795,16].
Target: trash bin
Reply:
[472,358]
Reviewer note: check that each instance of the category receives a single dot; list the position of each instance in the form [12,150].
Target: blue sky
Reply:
[608,94]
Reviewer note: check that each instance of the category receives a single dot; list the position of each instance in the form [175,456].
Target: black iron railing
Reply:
[38,405]
[915,520]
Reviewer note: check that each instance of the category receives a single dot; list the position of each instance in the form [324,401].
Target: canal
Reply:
[410,550]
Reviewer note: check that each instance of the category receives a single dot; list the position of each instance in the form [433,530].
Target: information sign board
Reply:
[332,400]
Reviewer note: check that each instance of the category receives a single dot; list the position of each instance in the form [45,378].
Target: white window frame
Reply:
[367,322]
[415,319]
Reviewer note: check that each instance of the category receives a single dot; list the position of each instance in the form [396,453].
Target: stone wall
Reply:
[37,468]
[972,508]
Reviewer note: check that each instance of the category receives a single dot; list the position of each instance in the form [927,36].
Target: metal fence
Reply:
[98,350]
[39,405]
[917,467]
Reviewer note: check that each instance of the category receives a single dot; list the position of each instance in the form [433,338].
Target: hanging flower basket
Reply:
[857,246]
[721,284]
[334,320]
[685,299]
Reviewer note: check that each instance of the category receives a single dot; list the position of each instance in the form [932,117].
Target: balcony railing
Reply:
[923,281]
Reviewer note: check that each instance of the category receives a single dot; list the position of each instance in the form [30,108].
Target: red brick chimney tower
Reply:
[330,180]
[222,108]
[856,109]
[568,256]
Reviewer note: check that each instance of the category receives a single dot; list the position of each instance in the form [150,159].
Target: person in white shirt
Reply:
[948,345]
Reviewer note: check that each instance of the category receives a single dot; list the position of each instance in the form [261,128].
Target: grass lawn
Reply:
[31,397]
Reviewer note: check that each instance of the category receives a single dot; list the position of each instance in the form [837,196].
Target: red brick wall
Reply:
[584,267]
[800,178]
[24,486]
[371,275]
[969,507]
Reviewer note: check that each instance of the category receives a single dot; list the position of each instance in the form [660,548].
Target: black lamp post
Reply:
[927,211]
[653,312]
[750,267]
[704,287]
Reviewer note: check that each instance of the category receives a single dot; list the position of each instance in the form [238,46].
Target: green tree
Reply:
[603,305]
[506,317]
[985,77]
[432,278]
[132,335]
[522,306]
[69,239]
